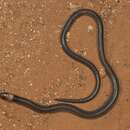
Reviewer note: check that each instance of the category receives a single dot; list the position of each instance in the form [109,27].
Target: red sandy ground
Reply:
[33,65]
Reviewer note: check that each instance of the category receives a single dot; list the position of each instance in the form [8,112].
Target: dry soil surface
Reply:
[33,64]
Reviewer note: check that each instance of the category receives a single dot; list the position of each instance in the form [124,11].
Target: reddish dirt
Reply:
[33,64]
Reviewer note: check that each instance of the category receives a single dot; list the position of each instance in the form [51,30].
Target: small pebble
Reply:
[30,83]
[50,101]
[83,52]
[14,125]
[60,26]
[68,36]
[110,21]
[90,28]
[56,55]
[118,1]
[26,70]
[3,112]
[74,6]
[102,73]
[28,55]
[117,61]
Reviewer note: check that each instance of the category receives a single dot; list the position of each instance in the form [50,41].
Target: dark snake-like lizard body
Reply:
[67,107]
